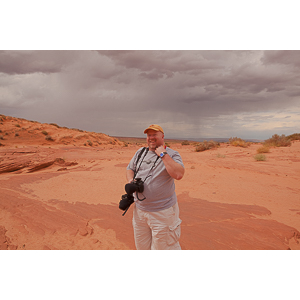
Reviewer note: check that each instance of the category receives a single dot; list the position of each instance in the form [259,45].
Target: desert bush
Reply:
[185,143]
[17,134]
[89,142]
[263,149]
[17,125]
[49,138]
[206,146]
[44,132]
[53,124]
[1,137]
[278,141]
[293,137]
[260,157]
[77,129]
[238,142]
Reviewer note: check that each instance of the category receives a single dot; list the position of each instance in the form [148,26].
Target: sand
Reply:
[63,193]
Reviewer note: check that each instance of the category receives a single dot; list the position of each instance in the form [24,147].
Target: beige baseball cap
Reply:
[154,127]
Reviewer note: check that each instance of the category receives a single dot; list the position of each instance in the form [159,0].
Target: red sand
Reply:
[63,195]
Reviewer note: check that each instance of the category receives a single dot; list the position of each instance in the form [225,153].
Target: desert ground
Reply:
[60,189]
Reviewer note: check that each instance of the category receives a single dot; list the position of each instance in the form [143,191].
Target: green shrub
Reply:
[293,137]
[76,129]
[44,132]
[263,149]
[53,124]
[18,125]
[260,157]
[238,142]
[278,141]
[185,143]
[206,146]
[49,138]
[89,142]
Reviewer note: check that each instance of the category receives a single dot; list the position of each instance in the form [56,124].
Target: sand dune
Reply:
[63,192]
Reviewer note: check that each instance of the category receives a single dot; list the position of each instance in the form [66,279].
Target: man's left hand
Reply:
[160,149]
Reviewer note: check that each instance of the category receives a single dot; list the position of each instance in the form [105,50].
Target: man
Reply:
[156,222]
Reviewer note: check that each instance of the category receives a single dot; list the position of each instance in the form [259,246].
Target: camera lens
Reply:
[130,188]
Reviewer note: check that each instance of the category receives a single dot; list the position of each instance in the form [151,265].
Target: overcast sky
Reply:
[191,94]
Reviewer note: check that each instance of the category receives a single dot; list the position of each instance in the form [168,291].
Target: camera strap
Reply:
[151,168]
[137,170]
[138,158]
[148,175]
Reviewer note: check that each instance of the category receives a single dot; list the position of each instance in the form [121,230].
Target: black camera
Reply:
[137,185]
[126,201]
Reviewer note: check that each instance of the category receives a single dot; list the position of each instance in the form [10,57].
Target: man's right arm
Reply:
[129,175]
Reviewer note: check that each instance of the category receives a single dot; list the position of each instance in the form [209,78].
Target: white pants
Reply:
[157,230]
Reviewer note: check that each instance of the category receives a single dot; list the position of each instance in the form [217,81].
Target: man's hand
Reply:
[174,169]
[160,149]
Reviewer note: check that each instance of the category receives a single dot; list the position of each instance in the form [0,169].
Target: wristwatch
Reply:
[162,154]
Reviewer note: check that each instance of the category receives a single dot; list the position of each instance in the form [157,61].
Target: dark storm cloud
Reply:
[24,62]
[190,93]
[285,57]
[163,62]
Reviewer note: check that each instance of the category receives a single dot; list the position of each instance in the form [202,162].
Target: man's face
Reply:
[154,139]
